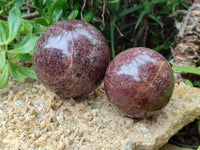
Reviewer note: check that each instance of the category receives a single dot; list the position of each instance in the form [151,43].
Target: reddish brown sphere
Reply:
[70,58]
[139,82]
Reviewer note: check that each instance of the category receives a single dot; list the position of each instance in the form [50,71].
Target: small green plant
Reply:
[192,70]
[189,83]
[16,46]
[5,5]
[142,23]
[53,11]
[198,122]
[198,148]
[189,69]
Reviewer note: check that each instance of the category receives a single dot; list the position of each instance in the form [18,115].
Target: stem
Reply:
[103,20]
[112,31]
[198,123]
[31,15]
[83,9]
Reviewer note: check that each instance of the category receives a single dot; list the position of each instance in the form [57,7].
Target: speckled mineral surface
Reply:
[139,81]
[70,58]
[32,117]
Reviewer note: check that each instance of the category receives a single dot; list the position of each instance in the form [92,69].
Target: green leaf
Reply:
[153,17]
[14,57]
[198,123]
[76,6]
[110,2]
[3,31]
[130,10]
[29,72]
[42,20]
[73,14]
[9,3]
[38,28]
[49,4]
[57,7]
[25,57]
[197,83]
[20,73]
[33,87]
[2,59]
[26,45]
[4,77]
[140,19]
[3,2]
[38,5]
[88,17]
[187,69]
[18,4]
[148,6]
[56,15]
[16,73]
[158,1]
[14,22]
[127,25]
[189,83]
[112,31]
[198,148]
[26,27]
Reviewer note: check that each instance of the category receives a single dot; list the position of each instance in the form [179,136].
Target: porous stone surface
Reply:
[33,117]
[70,58]
[139,81]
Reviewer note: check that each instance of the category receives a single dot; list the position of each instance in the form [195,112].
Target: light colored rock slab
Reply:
[33,117]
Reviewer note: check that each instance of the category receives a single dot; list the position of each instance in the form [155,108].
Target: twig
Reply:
[31,15]
[83,9]
[104,6]
[28,16]
[94,15]
[145,33]
[178,12]
[114,22]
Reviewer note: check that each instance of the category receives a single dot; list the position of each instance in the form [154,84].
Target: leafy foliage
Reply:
[188,69]
[51,13]
[6,5]
[189,83]
[60,9]
[11,51]
[124,24]
[142,23]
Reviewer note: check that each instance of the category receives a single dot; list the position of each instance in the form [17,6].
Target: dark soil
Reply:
[188,136]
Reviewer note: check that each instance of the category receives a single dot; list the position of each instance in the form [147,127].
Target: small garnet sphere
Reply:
[139,82]
[71,57]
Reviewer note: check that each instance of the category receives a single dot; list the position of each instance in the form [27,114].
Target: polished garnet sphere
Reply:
[139,82]
[70,58]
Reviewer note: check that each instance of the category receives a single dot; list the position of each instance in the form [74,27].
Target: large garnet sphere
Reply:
[139,81]
[70,58]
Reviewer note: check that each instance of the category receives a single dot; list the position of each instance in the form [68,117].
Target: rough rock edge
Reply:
[186,46]
[187,49]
